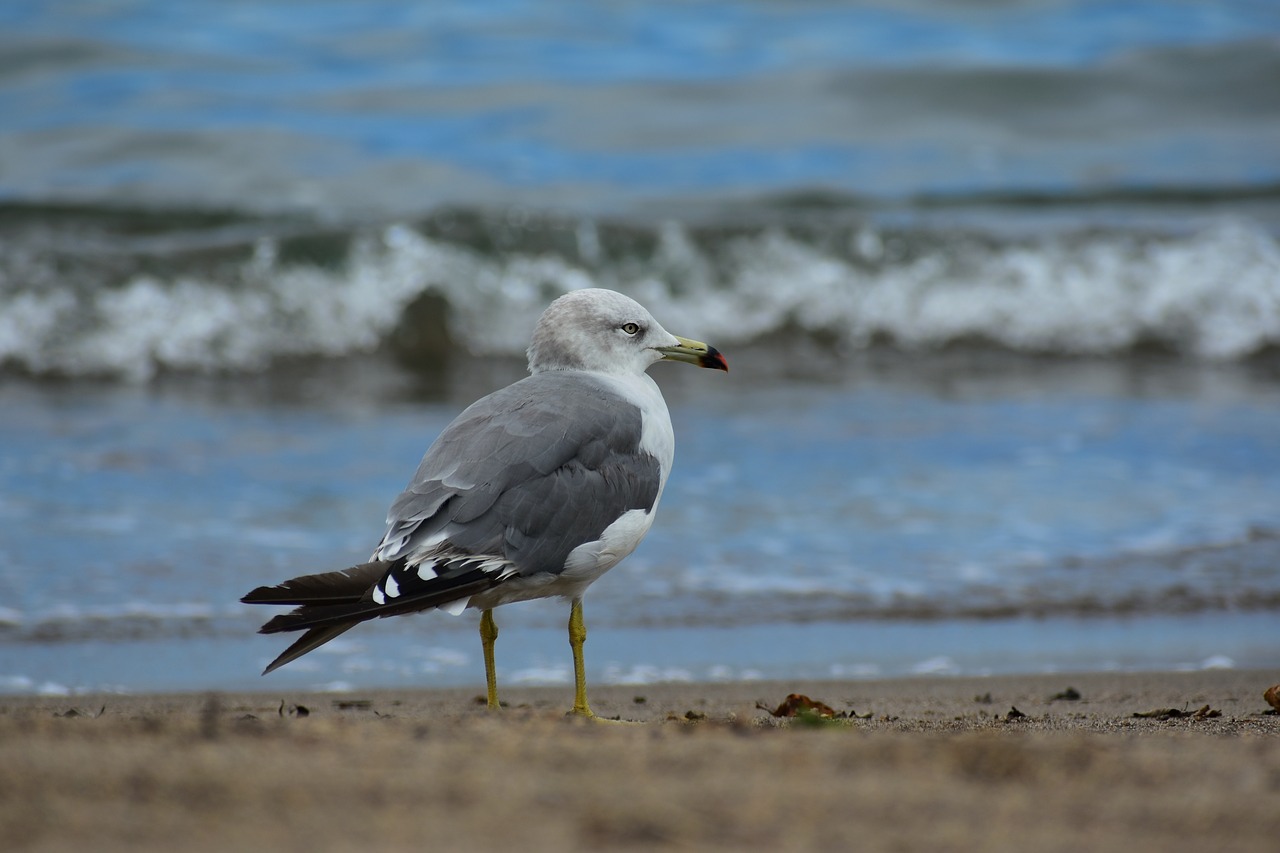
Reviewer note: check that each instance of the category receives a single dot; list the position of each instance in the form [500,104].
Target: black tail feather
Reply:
[313,639]
[331,603]
[342,587]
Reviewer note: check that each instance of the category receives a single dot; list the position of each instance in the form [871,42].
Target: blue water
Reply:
[999,285]
[440,653]
[1030,513]
[393,105]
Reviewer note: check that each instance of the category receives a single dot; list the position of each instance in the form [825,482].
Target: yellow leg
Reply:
[488,635]
[577,637]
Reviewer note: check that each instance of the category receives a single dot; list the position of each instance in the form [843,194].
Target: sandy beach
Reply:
[996,286]
[1007,763]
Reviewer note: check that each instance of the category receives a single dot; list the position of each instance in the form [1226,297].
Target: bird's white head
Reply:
[604,331]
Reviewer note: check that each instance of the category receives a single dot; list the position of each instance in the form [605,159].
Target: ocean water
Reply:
[999,286]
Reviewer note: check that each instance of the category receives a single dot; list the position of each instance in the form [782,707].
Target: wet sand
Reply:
[911,764]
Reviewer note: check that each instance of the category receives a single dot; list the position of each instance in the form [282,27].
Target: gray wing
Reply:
[526,475]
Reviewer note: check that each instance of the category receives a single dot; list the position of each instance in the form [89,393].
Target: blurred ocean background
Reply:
[998,283]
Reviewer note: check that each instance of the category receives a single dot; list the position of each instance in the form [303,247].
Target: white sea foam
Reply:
[440,656]
[179,610]
[52,688]
[554,674]
[855,670]
[644,674]
[1214,294]
[16,684]
[941,665]
[333,687]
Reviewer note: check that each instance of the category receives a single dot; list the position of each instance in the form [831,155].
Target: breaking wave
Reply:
[129,301]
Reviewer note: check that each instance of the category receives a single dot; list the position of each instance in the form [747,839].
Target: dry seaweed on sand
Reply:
[797,704]
[1204,712]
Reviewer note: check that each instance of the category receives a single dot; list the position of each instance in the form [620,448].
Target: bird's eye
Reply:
[631,328]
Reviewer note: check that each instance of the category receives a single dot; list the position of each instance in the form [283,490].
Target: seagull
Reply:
[534,491]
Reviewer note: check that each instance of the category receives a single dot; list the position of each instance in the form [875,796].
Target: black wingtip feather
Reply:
[328,615]
[331,603]
[347,586]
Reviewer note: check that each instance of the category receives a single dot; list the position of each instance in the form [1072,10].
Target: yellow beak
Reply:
[694,352]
